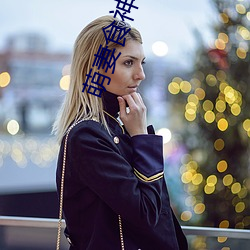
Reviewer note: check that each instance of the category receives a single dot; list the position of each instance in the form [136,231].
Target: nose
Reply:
[139,74]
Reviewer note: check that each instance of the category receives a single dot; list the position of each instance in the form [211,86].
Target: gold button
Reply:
[116,140]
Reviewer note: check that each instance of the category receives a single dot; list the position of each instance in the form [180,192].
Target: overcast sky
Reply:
[171,21]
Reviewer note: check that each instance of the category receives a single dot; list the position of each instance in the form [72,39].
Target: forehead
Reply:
[132,48]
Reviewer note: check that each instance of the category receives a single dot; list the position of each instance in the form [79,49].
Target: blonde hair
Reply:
[78,105]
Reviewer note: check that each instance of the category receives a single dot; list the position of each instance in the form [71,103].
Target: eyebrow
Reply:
[133,57]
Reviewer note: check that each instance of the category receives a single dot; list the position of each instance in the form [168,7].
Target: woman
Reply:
[115,196]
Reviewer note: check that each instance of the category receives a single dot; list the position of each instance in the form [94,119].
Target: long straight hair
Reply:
[78,105]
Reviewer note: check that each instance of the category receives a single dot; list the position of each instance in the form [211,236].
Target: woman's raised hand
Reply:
[135,121]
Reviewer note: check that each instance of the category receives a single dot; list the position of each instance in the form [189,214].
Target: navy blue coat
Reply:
[110,175]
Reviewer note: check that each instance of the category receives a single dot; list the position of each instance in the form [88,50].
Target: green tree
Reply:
[216,104]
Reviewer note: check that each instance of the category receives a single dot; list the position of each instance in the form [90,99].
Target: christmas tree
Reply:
[215,106]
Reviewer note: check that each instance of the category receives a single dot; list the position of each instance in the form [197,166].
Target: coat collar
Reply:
[110,103]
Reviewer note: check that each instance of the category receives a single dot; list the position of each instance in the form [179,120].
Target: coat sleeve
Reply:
[134,192]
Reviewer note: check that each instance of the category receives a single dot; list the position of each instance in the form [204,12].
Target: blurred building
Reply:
[30,95]
[33,94]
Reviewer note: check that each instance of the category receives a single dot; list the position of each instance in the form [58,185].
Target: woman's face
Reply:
[128,72]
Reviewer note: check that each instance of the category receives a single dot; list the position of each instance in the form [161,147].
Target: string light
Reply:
[4,79]
[216,100]
[24,150]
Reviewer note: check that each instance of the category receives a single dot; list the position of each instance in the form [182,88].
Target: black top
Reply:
[110,175]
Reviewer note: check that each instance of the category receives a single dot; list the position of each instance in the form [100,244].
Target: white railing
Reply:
[188,230]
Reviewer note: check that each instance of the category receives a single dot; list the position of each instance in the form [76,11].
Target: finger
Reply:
[122,105]
[140,98]
[130,101]
[135,97]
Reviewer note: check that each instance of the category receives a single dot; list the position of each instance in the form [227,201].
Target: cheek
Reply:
[118,78]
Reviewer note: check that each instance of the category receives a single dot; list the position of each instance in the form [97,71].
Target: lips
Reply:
[134,86]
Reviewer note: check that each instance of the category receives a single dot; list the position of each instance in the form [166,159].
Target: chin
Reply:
[133,90]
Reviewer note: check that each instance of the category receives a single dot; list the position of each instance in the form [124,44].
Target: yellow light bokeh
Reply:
[219,144]
[174,88]
[199,208]
[241,53]
[240,207]
[209,189]
[224,224]
[224,18]
[193,98]
[212,180]
[13,127]
[239,225]
[209,116]
[243,193]
[221,75]
[222,87]
[222,124]
[244,32]
[196,83]
[227,180]
[192,165]
[207,105]
[187,177]
[64,82]
[220,44]
[222,166]
[230,95]
[190,117]
[246,220]
[240,8]
[197,179]
[239,98]
[246,125]
[236,187]
[220,106]
[177,80]
[4,79]
[223,37]
[191,108]
[235,109]
[248,133]
[248,15]
[185,86]
[211,80]
[186,216]
[221,239]
[200,93]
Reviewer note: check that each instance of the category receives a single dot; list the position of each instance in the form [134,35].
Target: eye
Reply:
[129,62]
[143,62]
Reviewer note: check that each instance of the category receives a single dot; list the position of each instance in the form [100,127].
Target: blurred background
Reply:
[197,91]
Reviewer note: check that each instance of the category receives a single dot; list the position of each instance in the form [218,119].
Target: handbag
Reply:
[61,196]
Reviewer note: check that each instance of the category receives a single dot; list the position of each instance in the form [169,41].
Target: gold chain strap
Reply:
[115,120]
[61,196]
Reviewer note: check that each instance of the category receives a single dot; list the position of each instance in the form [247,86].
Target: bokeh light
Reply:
[4,79]
[160,48]
[199,208]
[13,127]
[222,166]
[227,180]
[222,124]
[64,82]
[224,224]
[240,8]
[186,216]
[219,144]
[165,133]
